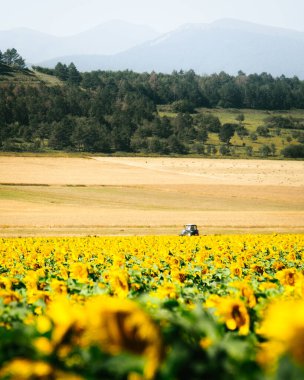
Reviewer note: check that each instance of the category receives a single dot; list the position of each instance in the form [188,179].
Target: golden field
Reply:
[134,195]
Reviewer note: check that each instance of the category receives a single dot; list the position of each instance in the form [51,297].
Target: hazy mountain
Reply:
[32,45]
[227,45]
[112,37]
[108,38]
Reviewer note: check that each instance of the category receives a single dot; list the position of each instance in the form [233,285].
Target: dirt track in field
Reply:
[112,195]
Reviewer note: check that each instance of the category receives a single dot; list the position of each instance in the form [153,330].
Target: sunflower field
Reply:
[207,307]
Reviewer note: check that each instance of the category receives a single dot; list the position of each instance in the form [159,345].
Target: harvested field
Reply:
[113,195]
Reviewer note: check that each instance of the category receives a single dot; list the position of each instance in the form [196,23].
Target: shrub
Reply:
[262,131]
[224,150]
[265,150]
[183,106]
[293,151]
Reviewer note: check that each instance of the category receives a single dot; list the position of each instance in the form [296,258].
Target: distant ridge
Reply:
[225,45]
[107,38]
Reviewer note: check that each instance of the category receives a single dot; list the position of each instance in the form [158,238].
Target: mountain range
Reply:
[225,45]
[108,38]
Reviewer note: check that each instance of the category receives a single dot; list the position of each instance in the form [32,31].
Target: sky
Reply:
[68,17]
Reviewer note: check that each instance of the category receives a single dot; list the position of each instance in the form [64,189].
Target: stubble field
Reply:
[123,195]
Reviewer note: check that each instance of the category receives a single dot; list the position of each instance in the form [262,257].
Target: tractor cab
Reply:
[190,230]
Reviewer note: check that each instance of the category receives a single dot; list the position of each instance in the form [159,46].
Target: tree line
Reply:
[186,90]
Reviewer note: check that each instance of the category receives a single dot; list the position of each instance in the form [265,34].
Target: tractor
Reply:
[189,230]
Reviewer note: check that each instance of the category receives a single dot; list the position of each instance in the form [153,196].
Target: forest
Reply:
[110,112]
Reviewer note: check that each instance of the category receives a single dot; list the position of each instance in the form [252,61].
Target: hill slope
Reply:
[9,75]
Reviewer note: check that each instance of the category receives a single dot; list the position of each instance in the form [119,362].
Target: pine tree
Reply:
[12,58]
[61,71]
[74,76]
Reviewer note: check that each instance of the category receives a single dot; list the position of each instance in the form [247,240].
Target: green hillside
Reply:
[253,119]
[60,109]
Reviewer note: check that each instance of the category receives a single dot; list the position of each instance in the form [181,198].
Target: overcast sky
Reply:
[65,17]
